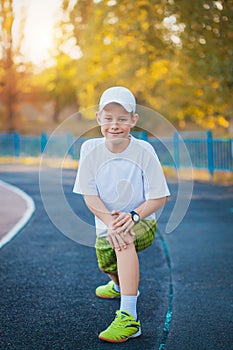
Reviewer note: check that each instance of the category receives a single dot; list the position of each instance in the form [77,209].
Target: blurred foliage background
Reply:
[175,55]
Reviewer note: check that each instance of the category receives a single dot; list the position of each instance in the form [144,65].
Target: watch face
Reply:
[135,217]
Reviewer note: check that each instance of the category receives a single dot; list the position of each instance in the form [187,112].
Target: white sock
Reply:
[116,287]
[129,304]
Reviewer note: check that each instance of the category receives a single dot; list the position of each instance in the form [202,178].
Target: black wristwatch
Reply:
[135,216]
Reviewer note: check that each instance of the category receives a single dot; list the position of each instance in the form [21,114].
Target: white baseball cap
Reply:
[118,94]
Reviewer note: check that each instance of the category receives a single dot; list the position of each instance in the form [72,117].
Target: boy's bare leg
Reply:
[128,270]
[114,278]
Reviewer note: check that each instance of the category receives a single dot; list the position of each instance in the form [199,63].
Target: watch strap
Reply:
[134,213]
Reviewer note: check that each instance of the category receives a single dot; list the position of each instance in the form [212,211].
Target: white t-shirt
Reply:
[123,180]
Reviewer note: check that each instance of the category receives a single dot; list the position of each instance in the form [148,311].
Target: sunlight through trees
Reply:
[175,55]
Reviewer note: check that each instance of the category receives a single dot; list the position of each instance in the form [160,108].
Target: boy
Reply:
[123,185]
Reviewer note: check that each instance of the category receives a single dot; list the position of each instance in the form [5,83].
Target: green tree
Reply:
[61,80]
[117,49]
[175,55]
[8,83]
[207,55]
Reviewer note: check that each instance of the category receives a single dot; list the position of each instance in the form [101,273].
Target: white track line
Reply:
[25,218]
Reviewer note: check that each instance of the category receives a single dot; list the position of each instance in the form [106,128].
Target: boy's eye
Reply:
[120,120]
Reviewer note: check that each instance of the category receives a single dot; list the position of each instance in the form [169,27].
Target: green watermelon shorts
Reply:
[106,256]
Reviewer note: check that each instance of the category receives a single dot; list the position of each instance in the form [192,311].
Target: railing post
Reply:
[16,144]
[43,141]
[210,153]
[176,149]
[144,136]
[231,155]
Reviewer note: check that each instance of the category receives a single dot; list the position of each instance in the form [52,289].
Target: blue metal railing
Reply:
[201,151]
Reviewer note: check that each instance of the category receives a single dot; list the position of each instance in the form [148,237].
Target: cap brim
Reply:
[126,106]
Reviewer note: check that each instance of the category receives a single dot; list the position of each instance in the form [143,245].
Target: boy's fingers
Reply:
[122,242]
[131,232]
[110,241]
[115,213]
[119,242]
[115,241]
[126,227]
[121,219]
[128,236]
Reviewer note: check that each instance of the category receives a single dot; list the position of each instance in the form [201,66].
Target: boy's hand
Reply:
[119,241]
[115,240]
[123,222]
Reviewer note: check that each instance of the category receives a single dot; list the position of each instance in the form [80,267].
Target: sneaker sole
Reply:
[121,340]
[106,297]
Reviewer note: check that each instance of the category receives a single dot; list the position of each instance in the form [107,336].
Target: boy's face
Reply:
[116,122]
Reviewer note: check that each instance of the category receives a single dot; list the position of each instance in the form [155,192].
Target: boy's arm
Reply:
[97,207]
[150,206]
[123,221]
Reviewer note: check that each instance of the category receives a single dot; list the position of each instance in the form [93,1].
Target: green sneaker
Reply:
[107,291]
[122,328]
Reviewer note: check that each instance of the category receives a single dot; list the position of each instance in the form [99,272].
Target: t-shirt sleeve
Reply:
[155,183]
[85,179]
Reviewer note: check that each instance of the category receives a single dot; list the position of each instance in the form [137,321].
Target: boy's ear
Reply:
[134,120]
[98,118]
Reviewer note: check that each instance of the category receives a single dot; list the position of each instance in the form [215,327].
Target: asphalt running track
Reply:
[47,287]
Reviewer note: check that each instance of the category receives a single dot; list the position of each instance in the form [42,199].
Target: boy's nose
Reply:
[114,125]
